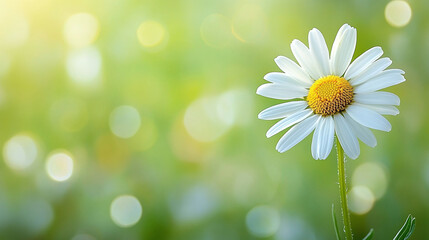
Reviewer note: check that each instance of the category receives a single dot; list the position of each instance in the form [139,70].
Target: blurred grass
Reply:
[190,189]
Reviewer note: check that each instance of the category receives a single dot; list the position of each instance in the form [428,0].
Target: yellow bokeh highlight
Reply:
[151,33]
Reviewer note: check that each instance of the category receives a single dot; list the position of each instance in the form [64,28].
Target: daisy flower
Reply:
[330,95]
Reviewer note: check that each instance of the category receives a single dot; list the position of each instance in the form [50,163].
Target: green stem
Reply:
[343,191]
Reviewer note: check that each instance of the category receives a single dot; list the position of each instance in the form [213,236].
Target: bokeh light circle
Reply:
[125,210]
[202,122]
[59,166]
[81,29]
[151,33]
[20,152]
[124,121]
[263,221]
[208,118]
[373,176]
[398,13]
[84,66]
[361,200]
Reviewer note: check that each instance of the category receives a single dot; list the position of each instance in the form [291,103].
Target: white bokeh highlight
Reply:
[125,210]
[124,121]
[398,13]
[20,152]
[59,166]
[208,118]
[361,200]
[372,175]
[84,66]
[81,29]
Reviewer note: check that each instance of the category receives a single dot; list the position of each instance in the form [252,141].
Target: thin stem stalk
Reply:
[343,191]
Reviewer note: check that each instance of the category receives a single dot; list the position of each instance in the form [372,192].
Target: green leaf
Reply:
[334,219]
[369,235]
[406,230]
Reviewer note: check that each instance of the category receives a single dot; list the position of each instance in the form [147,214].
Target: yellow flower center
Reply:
[330,95]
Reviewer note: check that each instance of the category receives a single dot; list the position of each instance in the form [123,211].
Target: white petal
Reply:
[376,68]
[382,109]
[363,133]
[282,110]
[292,69]
[363,62]
[342,30]
[383,98]
[368,118]
[287,122]
[305,59]
[323,138]
[383,80]
[280,91]
[346,136]
[297,133]
[282,78]
[319,50]
[342,50]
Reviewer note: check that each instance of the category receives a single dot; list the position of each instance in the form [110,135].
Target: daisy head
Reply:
[330,95]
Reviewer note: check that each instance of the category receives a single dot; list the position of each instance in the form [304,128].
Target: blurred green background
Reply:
[138,120]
